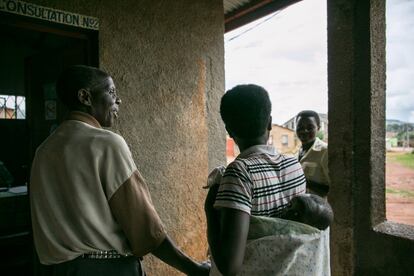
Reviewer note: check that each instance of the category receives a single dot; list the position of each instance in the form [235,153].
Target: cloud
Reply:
[400,60]
[400,81]
[287,54]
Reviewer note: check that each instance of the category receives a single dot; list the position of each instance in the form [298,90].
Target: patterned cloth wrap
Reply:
[282,247]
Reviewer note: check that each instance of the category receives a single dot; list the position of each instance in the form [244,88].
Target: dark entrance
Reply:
[32,55]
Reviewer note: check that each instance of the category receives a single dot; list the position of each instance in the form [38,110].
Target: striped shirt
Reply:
[260,182]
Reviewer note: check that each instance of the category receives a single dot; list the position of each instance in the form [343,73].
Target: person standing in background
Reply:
[313,154]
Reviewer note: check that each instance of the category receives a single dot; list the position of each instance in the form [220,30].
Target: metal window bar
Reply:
[20,107]
[12,107]
[3,107]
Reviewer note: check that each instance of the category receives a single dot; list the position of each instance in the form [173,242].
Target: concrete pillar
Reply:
[362,241]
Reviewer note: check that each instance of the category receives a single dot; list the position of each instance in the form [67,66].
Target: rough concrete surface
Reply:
[340,74]
[361,242]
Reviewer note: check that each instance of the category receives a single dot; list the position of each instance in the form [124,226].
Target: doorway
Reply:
[32,54]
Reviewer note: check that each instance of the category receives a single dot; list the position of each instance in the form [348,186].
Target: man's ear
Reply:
[85,97]
[269,126]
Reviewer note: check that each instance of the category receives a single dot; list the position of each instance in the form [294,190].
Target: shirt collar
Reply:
[317,145]
[85,118]
[258,149]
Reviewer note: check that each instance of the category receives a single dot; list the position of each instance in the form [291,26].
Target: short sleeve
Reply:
[117,164]
[235,189]
[325,168]
[132,207]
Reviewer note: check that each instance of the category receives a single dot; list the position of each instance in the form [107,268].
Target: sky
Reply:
[286,53]
[400,60]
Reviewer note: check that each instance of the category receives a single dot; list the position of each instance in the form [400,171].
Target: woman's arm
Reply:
[227,231]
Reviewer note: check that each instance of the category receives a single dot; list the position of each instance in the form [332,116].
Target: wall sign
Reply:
[50,110]
[49,14]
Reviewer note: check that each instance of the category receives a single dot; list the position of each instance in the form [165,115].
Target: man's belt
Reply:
[102,254]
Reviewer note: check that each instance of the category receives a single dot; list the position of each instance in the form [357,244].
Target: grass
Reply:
[405,159]
[402,193]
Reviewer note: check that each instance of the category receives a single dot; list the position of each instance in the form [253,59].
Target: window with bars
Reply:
[285,140]
[12,107]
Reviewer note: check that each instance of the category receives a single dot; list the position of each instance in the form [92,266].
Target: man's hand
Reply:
[202,269]
[169,253]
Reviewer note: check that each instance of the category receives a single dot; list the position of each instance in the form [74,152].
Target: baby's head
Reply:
[310,209]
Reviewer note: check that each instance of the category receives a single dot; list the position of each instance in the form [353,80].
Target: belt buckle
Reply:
[102,254]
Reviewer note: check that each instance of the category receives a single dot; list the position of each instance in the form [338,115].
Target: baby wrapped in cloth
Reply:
[294,245]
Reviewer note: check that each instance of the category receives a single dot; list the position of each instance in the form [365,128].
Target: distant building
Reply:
[402,132]
[231,149]
[391,143]
[282,138]
[291,124]
[391,134]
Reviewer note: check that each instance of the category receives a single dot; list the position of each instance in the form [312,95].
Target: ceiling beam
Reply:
[253,10]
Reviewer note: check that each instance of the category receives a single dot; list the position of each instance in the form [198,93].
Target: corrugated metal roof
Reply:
[240,12]
[231,5]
